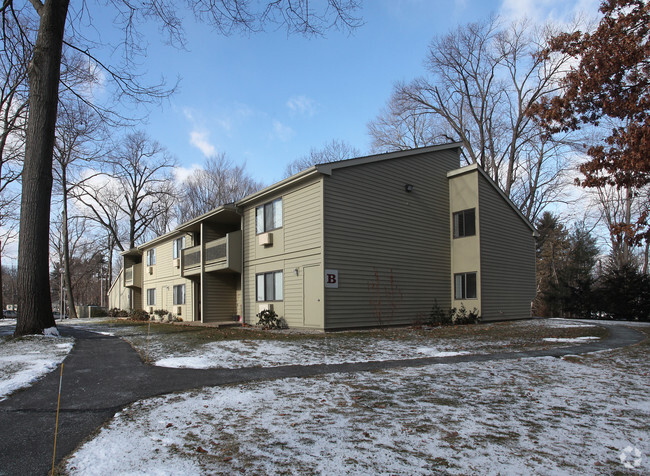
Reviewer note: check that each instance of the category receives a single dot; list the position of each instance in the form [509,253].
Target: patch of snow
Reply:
[25,360]
[567,340]
[256,353]
[51,332]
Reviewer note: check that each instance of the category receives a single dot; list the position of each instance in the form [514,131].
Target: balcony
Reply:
[223,254]
[133,275]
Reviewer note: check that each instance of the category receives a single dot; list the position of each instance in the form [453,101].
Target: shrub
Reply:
[139,315]
[438,316]
[270,320]
[462,316]
[115,312]
[161,314]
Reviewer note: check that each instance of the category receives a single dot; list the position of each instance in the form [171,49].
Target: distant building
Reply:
[358,243]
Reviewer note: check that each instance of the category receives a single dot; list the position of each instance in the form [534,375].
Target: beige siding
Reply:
[465,251]
[507,258]
[377,234]
[296,245]
[163,276]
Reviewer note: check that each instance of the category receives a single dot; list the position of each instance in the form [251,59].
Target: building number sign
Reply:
[331,278]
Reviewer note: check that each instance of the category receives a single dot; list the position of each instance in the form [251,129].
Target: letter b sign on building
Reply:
[331,278]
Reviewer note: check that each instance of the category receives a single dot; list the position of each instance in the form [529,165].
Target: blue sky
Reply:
[268,98]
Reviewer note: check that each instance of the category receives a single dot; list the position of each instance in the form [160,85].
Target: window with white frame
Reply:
[151,297]
[179,294]
[268,216]
[269,286]
[465,286]
[179,244]
[151,257]
[465,223]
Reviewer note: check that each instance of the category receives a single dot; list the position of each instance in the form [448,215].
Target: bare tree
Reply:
[132,194]
[483,79]
[78,131]
[396,128]
[217,183]
[44,77]
[332,151]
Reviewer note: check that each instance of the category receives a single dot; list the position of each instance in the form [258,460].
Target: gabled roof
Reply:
[495,186]
[340,164]
[327,168]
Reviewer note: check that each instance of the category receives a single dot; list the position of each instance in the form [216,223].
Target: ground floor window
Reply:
[269,286]
[179,294]
[465,286]
[151,297]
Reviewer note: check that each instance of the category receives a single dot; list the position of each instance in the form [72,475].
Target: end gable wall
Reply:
[507,258]
[375,230]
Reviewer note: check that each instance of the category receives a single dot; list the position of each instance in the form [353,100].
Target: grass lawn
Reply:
[203,347]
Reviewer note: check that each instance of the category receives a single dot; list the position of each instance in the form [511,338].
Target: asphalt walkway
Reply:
[102,374]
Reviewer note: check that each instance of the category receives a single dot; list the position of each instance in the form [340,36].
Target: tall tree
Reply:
[78,129]
[217,183]
[608,84]
[133,192]
[44,73]
[482,80]
[332,151]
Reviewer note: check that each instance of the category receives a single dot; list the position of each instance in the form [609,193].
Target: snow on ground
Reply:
[252,353]
[575,340]
[26,359]
[180,351]
[572,416]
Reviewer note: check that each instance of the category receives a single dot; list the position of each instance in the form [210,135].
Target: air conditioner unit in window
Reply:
[177,262]
[265,239]
[150,269]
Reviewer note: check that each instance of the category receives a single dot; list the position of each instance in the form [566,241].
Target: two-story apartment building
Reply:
[357,243]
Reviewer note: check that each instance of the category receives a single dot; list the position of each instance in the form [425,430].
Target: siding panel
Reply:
[391,248]
[507,258]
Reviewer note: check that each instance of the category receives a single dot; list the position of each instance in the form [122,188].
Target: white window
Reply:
[268,216]
[151,257]
[269,286]
[179,244]
[179,294]
[151,297]
[465,286]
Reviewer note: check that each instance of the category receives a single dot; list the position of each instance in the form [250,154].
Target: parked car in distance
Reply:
[58,315]
[9,314]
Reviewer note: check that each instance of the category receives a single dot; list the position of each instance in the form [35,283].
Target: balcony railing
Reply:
[133,275]
[223,254]
[192,257]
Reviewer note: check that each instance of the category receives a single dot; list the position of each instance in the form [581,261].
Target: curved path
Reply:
[102,374]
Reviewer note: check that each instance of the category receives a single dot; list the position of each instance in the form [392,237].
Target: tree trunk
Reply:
[34,301]
[66,249]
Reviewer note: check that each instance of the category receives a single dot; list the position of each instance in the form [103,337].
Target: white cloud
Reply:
[181,173]
[301,105]
[281,131]
[199,139]
[541,11]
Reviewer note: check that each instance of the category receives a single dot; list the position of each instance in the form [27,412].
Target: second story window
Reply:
[179,244]
[268,216]
[464,223]
[151,257]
